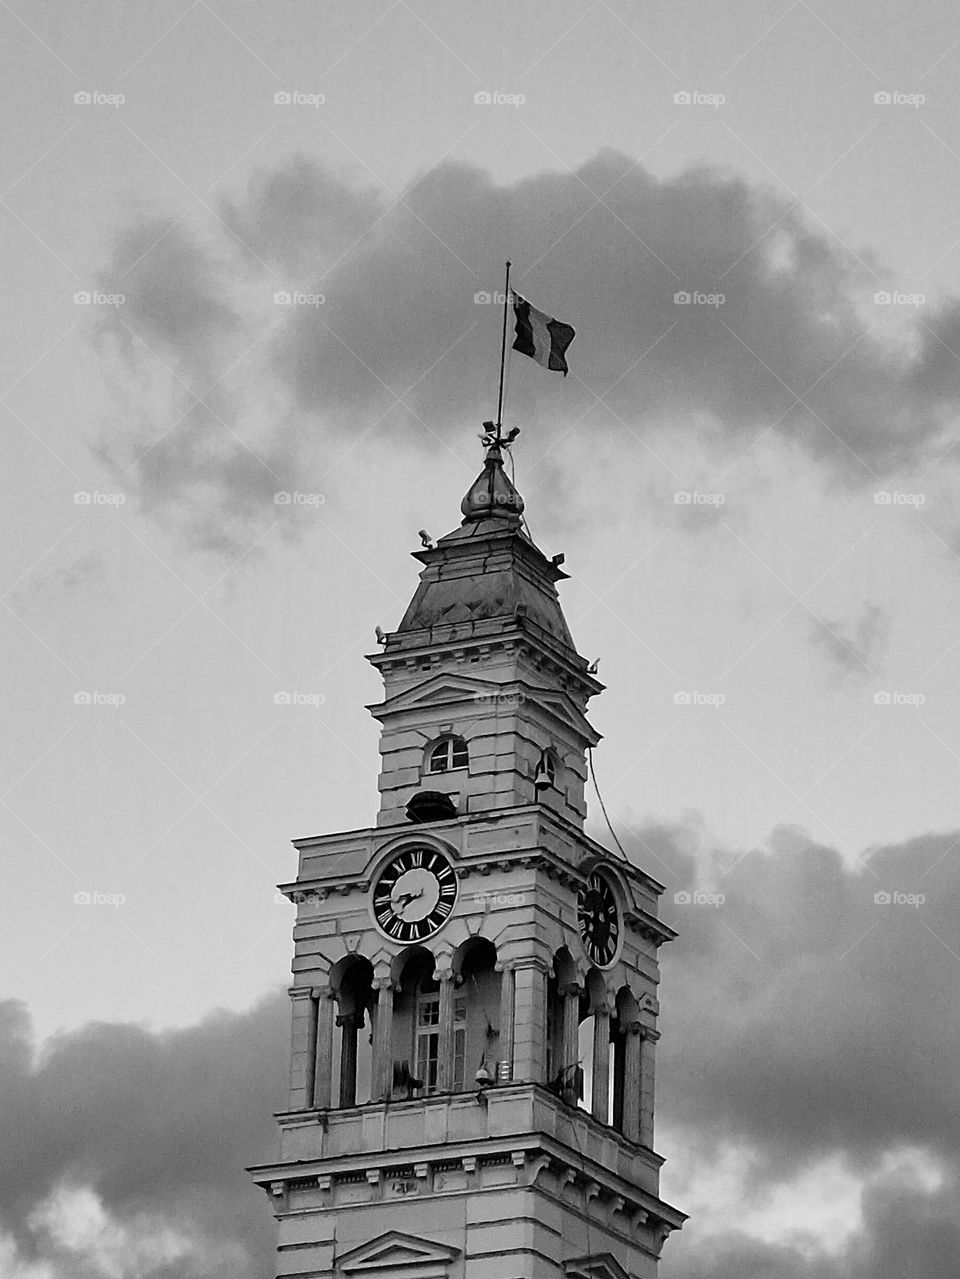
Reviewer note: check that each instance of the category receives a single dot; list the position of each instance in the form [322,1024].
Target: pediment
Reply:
[605,1266]
[396,1255]
[437,691]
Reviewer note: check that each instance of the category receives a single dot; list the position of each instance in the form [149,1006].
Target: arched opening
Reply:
[564,1072]
[627,1019]
[476,1012]
[352,984]
[416,1020]
[596,1047]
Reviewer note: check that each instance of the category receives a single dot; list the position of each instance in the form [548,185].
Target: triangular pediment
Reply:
[439,690]
[605,1266]
[396,1253]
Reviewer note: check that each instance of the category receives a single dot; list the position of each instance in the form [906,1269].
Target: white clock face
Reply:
[415,894]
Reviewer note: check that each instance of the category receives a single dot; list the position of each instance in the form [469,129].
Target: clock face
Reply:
[599,920]
[415,894]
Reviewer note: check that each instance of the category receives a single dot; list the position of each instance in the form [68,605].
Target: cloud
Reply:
[122,1151]
[789,344]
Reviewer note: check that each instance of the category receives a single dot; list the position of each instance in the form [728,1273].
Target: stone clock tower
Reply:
[475,980]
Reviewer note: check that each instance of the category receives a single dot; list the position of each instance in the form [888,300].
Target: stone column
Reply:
[647,1084]
[382,1089]
[601,1062]
[445,1051]
[303,1038]
[505,1046]
[571,1040]
[323,1073]
[530,1021]
[631,1082]
[349,1024]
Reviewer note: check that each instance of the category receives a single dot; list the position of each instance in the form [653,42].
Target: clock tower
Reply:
[474,1007]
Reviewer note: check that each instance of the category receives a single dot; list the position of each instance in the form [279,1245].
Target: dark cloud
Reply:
[399,336]
[160,1124]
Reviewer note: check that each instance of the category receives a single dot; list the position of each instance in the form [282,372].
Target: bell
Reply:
[541,778]
[483,1077]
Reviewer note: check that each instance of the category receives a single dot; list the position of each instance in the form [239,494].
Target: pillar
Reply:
[631,1082]
[530,1021]
[445,1051]
[505,1046]
[601,1062]
[647,1084]
[323,1072]
[570,994]
[303,1036]
[382,1089]
[349,1024]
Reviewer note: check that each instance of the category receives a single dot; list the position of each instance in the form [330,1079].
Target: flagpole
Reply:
[503,352]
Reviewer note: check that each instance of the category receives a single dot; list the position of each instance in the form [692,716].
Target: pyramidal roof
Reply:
[487,573]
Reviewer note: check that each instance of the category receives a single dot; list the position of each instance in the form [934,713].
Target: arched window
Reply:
[447,754]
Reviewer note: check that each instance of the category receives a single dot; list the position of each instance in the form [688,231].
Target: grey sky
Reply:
[811,580]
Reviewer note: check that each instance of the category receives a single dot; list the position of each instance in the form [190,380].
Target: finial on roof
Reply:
[492,495]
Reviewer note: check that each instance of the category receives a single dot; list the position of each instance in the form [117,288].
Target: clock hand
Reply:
[407,898]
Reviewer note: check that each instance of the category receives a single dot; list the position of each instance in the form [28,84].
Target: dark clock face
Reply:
[599,920]
[415,894]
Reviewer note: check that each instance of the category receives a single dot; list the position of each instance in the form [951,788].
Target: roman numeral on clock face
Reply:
[415,894]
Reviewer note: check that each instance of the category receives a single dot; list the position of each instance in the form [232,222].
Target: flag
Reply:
[541,337]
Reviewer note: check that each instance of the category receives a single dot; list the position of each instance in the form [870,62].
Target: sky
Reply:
[250,250]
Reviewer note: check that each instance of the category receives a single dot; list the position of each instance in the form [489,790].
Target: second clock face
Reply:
[599,920]
[415,894]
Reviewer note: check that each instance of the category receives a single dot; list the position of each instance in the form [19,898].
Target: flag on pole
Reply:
[541,337]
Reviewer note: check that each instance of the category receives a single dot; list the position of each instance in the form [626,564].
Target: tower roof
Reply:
[486,571]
